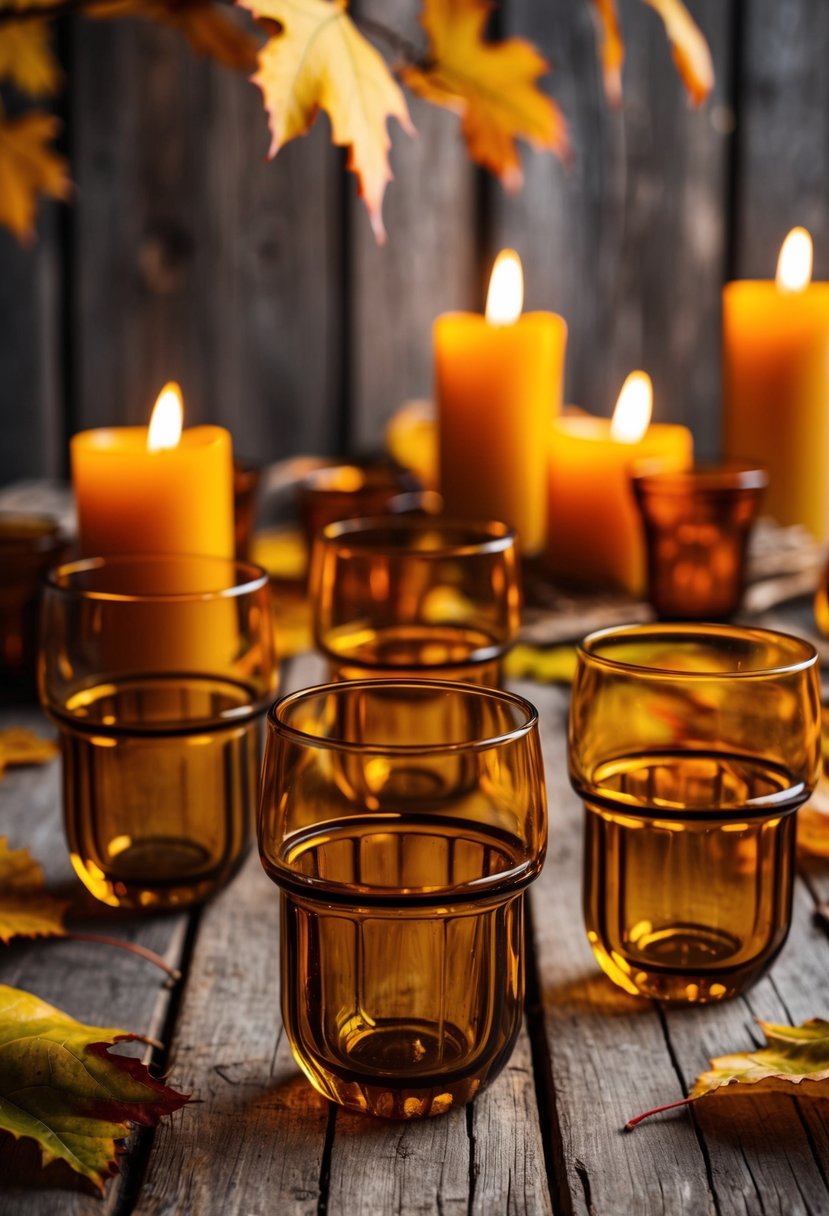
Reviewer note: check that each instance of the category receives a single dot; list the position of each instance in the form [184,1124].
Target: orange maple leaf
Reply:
[320,61]
[26,910]
[26,58]
[612,49]
[208,29]
[492,85]
[691,52]
[28,168]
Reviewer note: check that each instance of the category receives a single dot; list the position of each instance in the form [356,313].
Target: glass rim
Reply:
[316,691]
[253,578]
[695,631]
[716,478]
[493,536]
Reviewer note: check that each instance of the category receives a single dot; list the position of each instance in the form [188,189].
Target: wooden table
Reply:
[545,1138]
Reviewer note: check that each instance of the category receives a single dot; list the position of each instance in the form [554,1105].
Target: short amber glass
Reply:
[692,747]
[158,672]
[402,861]
[697,525]
[417,596]
[29,546]
[355,490]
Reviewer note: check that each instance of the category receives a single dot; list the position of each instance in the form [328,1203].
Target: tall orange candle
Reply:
[157,489]
[595,536]
[499,382]
[776,384]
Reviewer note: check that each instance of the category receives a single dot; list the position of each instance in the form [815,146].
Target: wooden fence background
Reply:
[258,285]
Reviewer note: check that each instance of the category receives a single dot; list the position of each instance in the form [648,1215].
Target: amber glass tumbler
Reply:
[692,747]
[29,546]
[697,524]
[351,491]
[402,861]
[158,672]
[418,596]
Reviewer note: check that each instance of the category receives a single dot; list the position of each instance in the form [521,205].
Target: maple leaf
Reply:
[492,85]
[612,49]
[208,29]
[28,167]
[21,746]
[793,1056]
[691,52]
[25,908]
[26,58]
[320,61]
[60,1086]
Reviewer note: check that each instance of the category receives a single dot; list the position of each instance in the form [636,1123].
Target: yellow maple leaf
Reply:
[208,30]
[21,746]
[691,52]
[492,85]
[320,61]
[612,49]
[28,168]
[25,908]
[26,58]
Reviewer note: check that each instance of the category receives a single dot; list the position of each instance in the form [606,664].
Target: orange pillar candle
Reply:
[776,385]
[595,535]
[157,489]
[499,382]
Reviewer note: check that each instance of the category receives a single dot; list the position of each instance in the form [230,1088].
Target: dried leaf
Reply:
[612,49]
[60,1086]
[26,910]
[546,664]
[492,85]
[28,168]
[692,54]
[26,58]
[209,29]
[21,746]
[320,61]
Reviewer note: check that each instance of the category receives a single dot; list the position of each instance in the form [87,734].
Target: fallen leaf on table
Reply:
[28,168]
[612,49]
[209,30]
[546,664]
[492,85]
[60,1086]
[26,58]
[21,746]
[26,910]
[794,1056]
[320,61]
[691,52]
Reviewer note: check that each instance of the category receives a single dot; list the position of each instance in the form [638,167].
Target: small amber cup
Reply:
[158,672]
[352,491]
[402,860]
[29,546]
[416,596]
[692,746]
[697,524]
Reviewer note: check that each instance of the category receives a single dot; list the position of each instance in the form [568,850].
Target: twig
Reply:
[142,951]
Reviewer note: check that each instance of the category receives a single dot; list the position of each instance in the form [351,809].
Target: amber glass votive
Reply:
[692,746]
[158,672]
[697,524]
[351,491]
[415,596]
[246,480]
[402,860]
[29,546]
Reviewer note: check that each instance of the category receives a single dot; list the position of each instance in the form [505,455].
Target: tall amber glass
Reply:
[415,596]
[692,747]
[158,672]
[402,861]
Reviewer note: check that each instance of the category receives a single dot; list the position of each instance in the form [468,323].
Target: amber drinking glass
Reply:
[692,747]
[158,672]
[697,524]
[29,546]
[415,596]
[402,861]
[351,491]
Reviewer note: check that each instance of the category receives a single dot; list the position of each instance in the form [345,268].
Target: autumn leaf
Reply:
[546,664]
[28,168]
[320,61]
[21,746]
[793,1056]
[209,30]
[25,908]
[612,49]
[492,85]
[691,52]
[26,58]
[60,1086]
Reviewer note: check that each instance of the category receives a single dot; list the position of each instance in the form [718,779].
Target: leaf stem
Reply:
[142,951]
[657,1110]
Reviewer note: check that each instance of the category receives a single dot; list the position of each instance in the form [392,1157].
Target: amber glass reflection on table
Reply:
[415,596]
[29,546]
[356,490]
[697,526]
[158,672]
[692,746]
[402,860]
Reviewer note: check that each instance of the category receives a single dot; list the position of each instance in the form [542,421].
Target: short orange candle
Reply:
[499,382]
[776,385]
[595,536]
[139,490]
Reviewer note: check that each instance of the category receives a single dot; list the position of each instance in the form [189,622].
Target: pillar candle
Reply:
[499,384]
[776,386]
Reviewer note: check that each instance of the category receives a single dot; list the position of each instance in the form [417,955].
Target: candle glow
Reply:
[632,415]
[794,265]
[505,297]
[167,419]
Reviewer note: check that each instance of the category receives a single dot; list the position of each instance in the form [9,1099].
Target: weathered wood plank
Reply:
[630,244]
[195,259]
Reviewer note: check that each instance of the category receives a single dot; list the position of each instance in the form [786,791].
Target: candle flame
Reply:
[794,266]
[166,419]
[632,415]
[505,297]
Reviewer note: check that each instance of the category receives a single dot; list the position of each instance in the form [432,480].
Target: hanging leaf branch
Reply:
[311,55]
